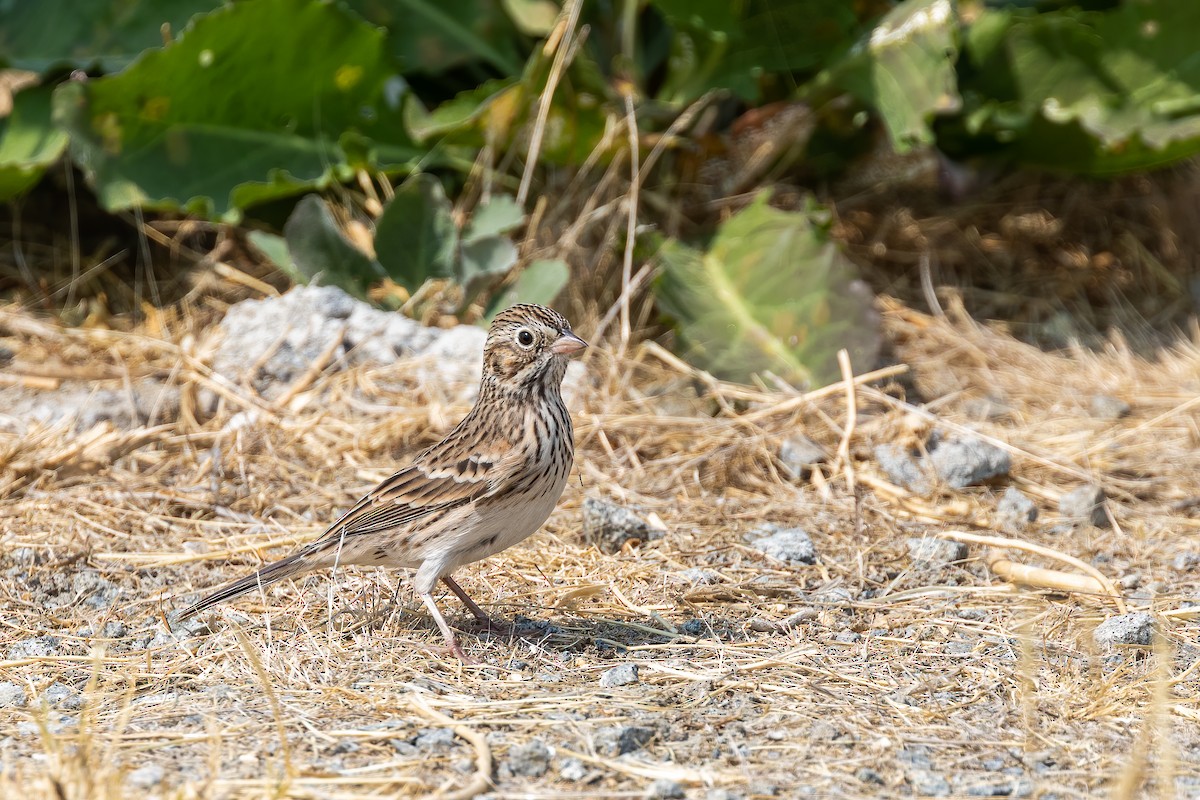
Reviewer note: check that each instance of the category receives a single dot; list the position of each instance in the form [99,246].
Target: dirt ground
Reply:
[869,673]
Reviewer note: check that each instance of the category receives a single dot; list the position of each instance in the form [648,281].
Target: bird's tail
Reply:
[272,573]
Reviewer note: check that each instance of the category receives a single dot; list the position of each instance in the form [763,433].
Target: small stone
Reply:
[1015,511]
[832,596]
[847,637]
[694,627]
[1085,504]
[1104,406]
[12,695]
[609,526]
[1185,561]
[632,738]
[62,696]
[868,775]
[700,577]
[573,770]
[665,789]
[934,552]
[720,794]
[1126,629]
[798,617]
[621,675]
[530,760]
[968,461]
[435,739]
[792,545]
[115,630]
[146,777]
[96,591]
[930,784]
[798,454]
[902,469]
[34,647]
[822,731]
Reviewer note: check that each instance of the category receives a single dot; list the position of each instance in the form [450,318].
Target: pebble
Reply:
[847,637]
[621,675]
[435,739]
[792,545]
[1105,406]
[798,454]
[96,591]
[665,789]
[617,741]
[609,526]
[719,794]
[146,777]
[1185,561]
[531,760]
[1085,504]
[12,695]
[1015,511]
[34,647]
[902,469]
[63,696]
[694,627]
[968,461]
[573,770]
[832,596]
[1136,628]
[868,775]
[700,577]
[934,552]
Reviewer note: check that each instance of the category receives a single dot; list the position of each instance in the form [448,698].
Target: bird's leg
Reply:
[502,628]
[448,634]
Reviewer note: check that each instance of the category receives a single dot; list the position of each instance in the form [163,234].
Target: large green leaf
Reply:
[904,69]
[29,143]
[1093,92]
[415,237]
[320,252]
[434,35]
[38,35]
[239,110]
[540,283]
[772,293]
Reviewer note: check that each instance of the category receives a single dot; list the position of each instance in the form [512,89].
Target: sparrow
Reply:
[487,486]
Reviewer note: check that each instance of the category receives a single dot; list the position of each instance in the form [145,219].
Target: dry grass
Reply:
[321,688]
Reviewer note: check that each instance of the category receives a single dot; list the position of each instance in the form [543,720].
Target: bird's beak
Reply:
[567,344]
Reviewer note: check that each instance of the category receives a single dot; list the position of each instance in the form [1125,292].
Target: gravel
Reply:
[968,461]
[700,577]
[1015,511]
[902,468]
[1085,504]
[12,695]
[1136,628]
[622,675]
[147,776]
[531,760]
[934,552]
[609,526]
[792,545]
[572,769]
[619,740]
[665,789]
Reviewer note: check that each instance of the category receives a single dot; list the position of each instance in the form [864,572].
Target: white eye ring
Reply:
[525,338]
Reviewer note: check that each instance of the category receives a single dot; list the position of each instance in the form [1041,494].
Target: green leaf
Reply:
[29,142]
[433,36]
[532,17]
[463,111]
[498,215]
[1097,93]
[239,110]
[540,283]
[275,248]
[39,35]
[773,293]
[904,68]
[415,238]
[321,253]
[483,262]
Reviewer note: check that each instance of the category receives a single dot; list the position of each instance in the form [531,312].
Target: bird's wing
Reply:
[443,477]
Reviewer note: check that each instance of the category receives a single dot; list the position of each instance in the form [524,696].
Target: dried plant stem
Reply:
[843,451]
[631,222]
[481,781]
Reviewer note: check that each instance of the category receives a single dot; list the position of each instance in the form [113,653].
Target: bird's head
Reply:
[528,347]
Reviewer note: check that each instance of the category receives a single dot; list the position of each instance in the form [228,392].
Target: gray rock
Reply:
[665,789]
[26,556]
[1136,628]
[934,552]
[869,775]
[832,596]
[573,770]
[930,784]
[1185,561]
[1104,406]
[94,590]
[621,675]
[609,526]
[34,647]
[1085,504]
[435,739]
[147,776]
[720,794]
[968,461]
[83,406]
[617,741]
[902,469]
[12,695]
[1015,511]
[531,760]
[798,454]
[847,637]
[792,545]
[62,696]
[701,577]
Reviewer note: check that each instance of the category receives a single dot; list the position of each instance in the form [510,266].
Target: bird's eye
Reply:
[525,338]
